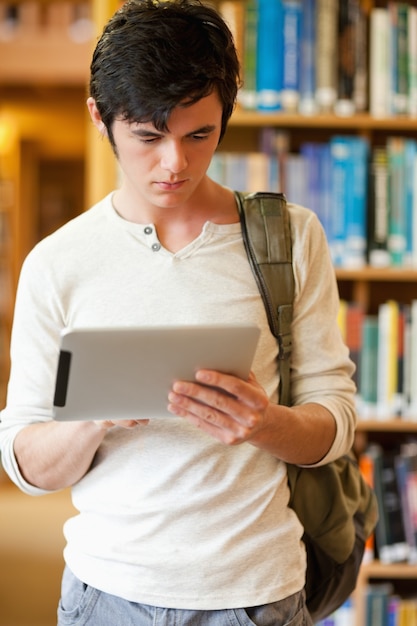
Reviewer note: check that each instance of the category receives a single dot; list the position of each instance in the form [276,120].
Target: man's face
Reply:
[165,168]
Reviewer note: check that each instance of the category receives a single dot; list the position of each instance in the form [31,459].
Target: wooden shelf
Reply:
[374,274]
[362,121]
[396,425]
[376,569]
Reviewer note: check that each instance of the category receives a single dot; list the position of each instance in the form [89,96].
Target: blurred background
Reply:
[46,150]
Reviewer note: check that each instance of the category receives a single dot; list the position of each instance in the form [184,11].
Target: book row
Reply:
[384,349]
[365,197]
[385,608]
[393,475]
[322,55]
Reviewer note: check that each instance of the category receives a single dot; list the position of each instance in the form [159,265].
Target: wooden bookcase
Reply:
[368,286]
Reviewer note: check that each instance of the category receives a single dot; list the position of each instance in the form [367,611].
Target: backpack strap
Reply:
[267,238]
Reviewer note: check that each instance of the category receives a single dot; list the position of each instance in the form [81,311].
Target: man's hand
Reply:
[226,407]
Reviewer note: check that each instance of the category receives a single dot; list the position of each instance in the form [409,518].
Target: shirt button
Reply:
[156,247]
[148,230]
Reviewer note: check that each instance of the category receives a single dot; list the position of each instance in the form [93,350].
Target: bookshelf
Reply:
[367,286]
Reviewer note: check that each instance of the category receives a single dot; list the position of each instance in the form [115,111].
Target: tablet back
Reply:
[126,373]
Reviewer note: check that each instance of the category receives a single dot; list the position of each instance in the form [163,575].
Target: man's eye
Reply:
[200,137]
[149,139]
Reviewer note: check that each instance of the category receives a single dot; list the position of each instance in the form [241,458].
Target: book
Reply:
[318,171]
[397,220]
[398,14]
[366,466]
[406,473]
[354,321]
[376,603]
[291,25]
[412,60]
[233,13]
[361,75]
[378,209]
[275,144]
[356,197]
[296,180]
[368,395]
[388,313]
[269,66]
[247,95]
[390,539]
[310,153]
[412,406]
[379,80]
[410,162]
[348,242]
[348,13]
[307,103]
[326,53]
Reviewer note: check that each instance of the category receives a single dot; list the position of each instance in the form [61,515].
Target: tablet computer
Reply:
[127,373]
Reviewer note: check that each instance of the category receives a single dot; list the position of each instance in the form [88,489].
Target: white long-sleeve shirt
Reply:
[169,516]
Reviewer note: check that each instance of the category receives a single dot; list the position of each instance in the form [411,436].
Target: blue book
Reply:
[292,21]
[269,65]
[410,161]
[310,152]
[356,222]
[325,186]
[349,193]
[307,104]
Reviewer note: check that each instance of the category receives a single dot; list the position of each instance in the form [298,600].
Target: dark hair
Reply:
[154,55]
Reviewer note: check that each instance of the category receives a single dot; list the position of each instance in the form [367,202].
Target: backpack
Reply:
[333,502]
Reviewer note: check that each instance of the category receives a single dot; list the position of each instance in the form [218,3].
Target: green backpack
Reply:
[335,505]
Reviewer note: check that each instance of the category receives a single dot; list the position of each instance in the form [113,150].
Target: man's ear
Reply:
[96,117]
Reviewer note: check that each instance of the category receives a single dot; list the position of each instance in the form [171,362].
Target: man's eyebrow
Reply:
[149,132]
[208,128]
[146,132]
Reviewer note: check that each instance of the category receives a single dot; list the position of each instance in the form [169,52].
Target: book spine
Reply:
[340,183]
[269,66]
[325,188]
[397,235]
[413,359]
[326,53]
[387,358]
[296,179]
[379,62]
[368,393]
[400,34]
[390,535]
[233,14]
[308,105]
[412,60]
[410,158]
[353,336]
[292,24]
[360,86]
[366,466]
[378,210]
[247,95]
[347,22]
[356,196]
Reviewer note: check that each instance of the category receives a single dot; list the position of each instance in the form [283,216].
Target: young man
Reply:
[183,520]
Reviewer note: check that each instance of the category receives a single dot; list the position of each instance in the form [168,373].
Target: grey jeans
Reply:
[82,605]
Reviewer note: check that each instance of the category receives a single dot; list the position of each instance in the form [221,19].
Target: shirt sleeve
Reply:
[37,323]
[321,369]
